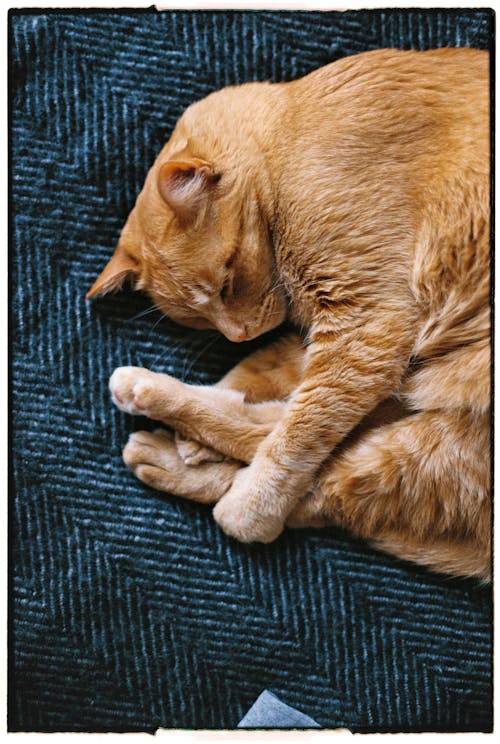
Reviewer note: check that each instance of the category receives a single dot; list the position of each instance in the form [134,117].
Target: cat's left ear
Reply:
[120,267]
[185,184]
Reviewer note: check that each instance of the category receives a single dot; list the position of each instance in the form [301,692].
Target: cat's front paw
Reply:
[194,453]
[141,392]
[239,515]
[125,384]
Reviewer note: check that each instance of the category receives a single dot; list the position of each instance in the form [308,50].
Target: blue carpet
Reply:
[131,610]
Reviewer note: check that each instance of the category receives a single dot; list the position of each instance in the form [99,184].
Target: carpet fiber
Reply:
[130,610]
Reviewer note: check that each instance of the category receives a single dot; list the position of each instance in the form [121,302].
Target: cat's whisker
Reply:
[156,323]
[274,312]
[186,373]
[148,311]
[278,284]
[170,349]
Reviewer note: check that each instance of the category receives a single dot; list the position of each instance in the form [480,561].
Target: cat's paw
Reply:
[125,384]
[141,392]
[240,517]
[194,453]
[153,458]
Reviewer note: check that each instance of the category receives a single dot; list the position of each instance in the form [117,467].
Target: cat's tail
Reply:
[453,558]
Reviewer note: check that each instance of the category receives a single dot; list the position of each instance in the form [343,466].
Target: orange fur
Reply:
[355,202]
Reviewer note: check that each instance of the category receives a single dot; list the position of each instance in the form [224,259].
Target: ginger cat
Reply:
[354,202]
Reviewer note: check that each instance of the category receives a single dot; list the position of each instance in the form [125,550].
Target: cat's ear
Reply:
[120,267]
[185,184]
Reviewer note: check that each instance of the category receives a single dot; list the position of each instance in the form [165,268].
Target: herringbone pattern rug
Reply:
[131,610]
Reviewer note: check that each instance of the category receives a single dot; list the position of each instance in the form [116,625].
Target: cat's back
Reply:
[449,72]
[422,100]
[391,131]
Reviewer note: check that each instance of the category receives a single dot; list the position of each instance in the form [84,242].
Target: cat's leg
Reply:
[154,459]
[357,356]
[417,488]
[218,416]
[271,373]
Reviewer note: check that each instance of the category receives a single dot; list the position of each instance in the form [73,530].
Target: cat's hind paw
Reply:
[153,458]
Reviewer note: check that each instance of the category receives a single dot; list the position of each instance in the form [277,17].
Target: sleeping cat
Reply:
[353,202]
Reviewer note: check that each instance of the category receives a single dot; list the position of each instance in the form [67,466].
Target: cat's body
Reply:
[354,201]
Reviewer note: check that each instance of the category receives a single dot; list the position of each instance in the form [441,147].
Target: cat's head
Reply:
[198,240]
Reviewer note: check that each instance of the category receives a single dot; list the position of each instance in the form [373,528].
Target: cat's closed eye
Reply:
[226,288]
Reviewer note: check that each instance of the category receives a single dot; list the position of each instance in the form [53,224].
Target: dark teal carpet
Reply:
[130,610]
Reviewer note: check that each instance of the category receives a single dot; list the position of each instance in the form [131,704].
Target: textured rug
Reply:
[130,610]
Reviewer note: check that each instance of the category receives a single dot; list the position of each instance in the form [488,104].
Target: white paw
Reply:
[141,392]
[124,385]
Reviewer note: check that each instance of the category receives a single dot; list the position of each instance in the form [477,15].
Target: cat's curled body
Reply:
[354,202]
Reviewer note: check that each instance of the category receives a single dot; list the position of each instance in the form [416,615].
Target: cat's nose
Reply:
[244,334]
[239,333]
